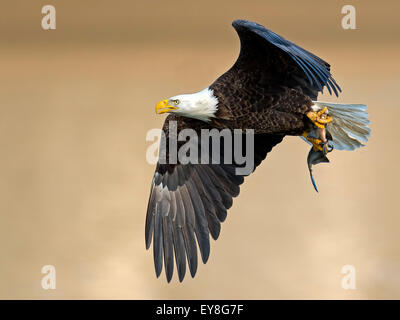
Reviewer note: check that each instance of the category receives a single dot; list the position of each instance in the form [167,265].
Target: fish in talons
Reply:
[318,151]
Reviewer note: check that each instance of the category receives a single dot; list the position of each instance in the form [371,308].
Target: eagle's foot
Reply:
[319,118]
[319,144]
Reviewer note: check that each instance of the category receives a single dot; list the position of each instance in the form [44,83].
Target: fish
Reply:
[314,157]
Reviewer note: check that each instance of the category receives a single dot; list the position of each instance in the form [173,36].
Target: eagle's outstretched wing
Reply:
[188,202]
[282,60]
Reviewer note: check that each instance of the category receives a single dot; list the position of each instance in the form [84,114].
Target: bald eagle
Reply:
[271,89]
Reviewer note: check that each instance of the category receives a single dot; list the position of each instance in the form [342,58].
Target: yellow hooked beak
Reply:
[163,107]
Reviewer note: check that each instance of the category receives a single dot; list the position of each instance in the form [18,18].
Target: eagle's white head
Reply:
[200,105]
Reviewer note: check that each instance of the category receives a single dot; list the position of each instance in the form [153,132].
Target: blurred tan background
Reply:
[76,104]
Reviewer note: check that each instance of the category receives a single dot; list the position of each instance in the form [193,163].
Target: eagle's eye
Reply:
[176,101]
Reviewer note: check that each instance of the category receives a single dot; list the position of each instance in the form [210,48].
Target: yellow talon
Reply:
[325,120]
[320,118]
[322,111]
[317,143]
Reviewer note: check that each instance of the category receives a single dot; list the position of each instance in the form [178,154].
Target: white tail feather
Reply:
[349,126]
